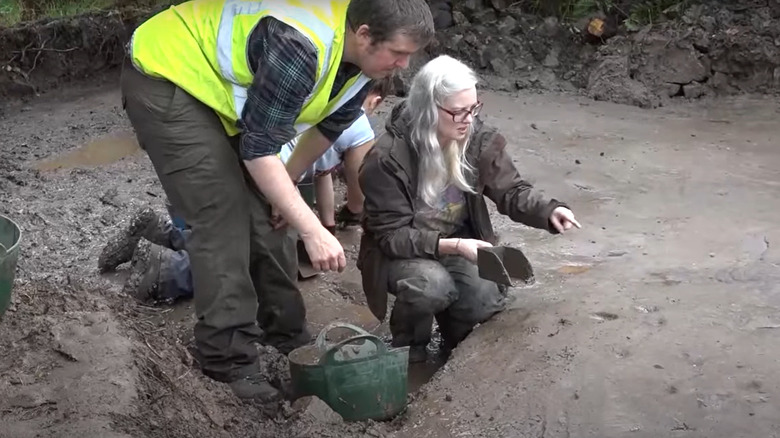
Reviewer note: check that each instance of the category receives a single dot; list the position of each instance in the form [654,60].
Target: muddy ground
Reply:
[658,318]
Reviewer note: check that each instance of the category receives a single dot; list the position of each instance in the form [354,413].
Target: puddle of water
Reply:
[573,269]
[103,151]
[421,373]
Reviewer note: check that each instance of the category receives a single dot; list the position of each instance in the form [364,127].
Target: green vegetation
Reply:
[633,13]
[650,11]
[9,12]
[16,11]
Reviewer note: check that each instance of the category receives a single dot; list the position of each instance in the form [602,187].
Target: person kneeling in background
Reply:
[425,215]
[345,155]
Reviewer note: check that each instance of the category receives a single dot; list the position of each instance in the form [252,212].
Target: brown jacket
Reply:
[388,178]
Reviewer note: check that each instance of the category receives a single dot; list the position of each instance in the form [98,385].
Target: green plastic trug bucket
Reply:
[10,234]
[359,381]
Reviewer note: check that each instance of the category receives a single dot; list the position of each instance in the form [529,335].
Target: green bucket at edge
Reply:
[10,234]
[359,381]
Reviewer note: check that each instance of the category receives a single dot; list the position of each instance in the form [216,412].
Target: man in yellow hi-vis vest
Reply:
[214,88]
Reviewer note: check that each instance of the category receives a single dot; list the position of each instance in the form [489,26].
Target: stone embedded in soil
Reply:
[442,14]
[507,26]
[459,18]
[694,90]
[551,60]
[609,80]
[500,67]
[550,27]
[681,66]
[672,90]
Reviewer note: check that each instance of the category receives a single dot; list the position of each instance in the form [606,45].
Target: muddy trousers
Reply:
[244,272]
[449,289]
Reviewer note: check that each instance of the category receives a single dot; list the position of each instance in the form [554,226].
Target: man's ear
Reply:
[364,35]
[373,102]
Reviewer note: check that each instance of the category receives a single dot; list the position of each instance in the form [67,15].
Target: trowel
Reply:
[502,264]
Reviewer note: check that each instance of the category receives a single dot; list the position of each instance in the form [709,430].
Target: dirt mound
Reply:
[712,49]
[41,55]
[512,49]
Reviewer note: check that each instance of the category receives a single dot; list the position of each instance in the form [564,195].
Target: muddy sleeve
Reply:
[388,213]
[513,196]
[285,65]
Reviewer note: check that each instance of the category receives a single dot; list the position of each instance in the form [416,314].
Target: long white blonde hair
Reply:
[440,165]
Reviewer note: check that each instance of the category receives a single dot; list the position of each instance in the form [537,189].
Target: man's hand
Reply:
[325,251]
[563,219]
[271,177]
[467,248]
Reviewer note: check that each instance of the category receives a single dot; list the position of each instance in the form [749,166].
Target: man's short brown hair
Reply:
[387,18]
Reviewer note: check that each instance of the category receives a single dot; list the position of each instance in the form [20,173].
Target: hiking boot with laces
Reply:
[144,271]
[159,274]
[120,249]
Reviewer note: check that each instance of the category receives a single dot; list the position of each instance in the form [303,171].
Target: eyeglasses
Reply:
[460,116]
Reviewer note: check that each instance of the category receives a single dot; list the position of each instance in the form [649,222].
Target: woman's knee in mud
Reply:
[478,302]
[424,285]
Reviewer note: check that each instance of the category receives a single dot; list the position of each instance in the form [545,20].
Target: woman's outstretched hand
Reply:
[563,219]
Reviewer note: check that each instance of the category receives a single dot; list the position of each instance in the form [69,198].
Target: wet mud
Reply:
[656,319]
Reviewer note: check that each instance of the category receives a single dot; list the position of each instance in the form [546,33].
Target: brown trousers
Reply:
[244,272]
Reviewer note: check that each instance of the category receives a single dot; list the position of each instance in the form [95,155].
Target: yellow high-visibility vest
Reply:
[201,46]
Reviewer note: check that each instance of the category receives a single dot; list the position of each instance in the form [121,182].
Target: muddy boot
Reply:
[345,217]
[144,272]
[120,249]
[418,353]
[255,387]
[449,340]
[286,344]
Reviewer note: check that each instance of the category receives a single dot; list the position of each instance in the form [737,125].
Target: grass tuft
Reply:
[18,11]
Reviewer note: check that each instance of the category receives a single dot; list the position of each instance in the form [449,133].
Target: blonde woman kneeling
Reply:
[425,183]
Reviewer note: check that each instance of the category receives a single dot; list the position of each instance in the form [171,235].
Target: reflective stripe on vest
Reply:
[300,18]
[220,32]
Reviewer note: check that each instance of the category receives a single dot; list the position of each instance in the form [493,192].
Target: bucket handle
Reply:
[329,357]
[322,343]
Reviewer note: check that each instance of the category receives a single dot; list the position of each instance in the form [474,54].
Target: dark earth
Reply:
[657,319]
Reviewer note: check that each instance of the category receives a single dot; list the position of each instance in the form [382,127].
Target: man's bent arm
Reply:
[285,63]
[271,177]
[314,142]
[310,146]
